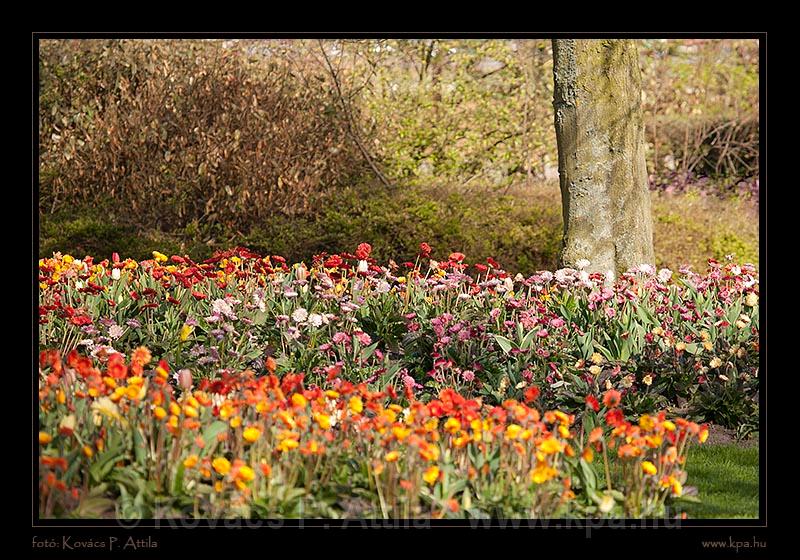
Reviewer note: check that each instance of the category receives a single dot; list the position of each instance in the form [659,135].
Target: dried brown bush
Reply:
[171,132]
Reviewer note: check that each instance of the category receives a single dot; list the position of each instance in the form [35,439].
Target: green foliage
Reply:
[729,243]
[458,110]
[521,229]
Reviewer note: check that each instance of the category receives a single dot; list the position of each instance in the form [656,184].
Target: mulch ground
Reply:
[717,435]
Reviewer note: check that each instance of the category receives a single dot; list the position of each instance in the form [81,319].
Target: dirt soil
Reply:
[717,435]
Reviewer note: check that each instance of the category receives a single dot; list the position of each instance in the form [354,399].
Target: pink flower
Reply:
[363,338]
[468,375]
[542,333]
[341,338]
[410,382]
[185,379]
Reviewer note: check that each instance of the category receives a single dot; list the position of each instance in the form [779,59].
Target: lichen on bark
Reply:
[601,160]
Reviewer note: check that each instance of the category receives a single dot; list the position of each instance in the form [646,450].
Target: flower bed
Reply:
[683,341]
[427,388]
[263,446]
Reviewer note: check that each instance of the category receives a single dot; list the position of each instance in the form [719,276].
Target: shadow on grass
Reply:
[726,477]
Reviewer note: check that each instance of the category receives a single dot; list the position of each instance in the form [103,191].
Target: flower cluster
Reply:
[659,337]
[254,445]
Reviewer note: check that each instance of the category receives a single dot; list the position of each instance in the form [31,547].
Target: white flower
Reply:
[582,263]
[606,503]
[363,266]
[564,276]
[315,320]
[300,315]
[115,274]
[225,307]
[664,275]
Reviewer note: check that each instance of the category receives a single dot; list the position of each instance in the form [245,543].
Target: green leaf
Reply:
[585,341]
[588,475]
[177,482]
[505,344]
[94,507]
[139,447]
[210,435]
[369,350]
[604,351]
[107,459]
[693,348]
[688,499]
[526,342]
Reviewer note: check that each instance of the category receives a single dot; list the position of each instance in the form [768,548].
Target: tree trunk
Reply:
[601,160]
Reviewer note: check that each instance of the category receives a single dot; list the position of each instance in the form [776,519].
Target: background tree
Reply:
[601,157]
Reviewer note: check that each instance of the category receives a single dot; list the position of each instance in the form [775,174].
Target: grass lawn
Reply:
[726,476]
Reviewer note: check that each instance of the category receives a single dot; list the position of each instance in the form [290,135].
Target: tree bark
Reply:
[601,159]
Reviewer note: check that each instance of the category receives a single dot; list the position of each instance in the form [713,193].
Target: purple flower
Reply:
[219,334]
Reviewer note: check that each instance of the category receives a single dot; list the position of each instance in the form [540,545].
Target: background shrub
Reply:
[192,146]
[171,132]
